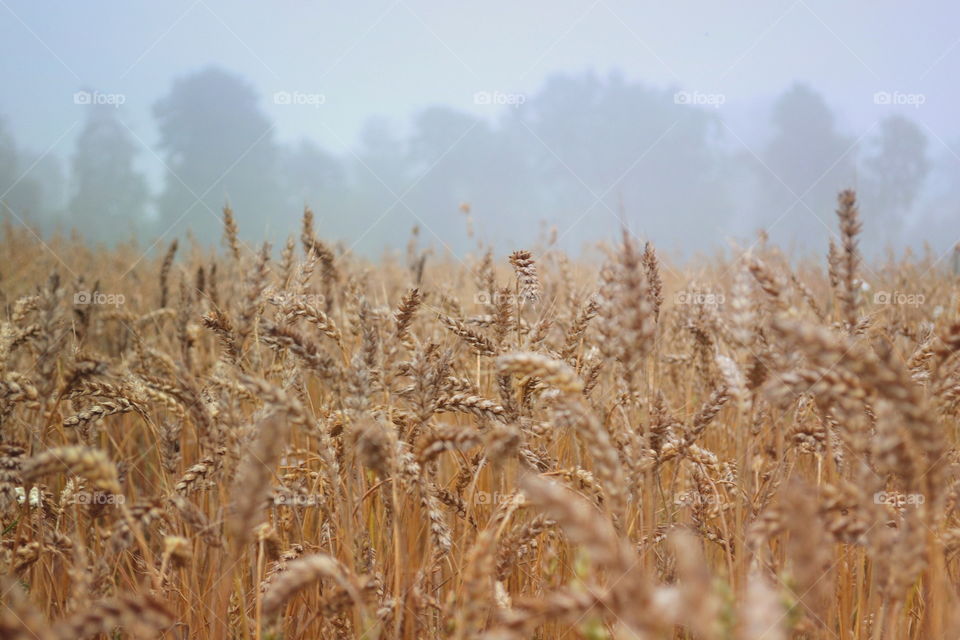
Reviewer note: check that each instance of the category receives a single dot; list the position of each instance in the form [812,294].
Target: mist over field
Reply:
[691,123]
[422,320]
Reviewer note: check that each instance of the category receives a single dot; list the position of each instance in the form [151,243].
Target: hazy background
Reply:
[690,122]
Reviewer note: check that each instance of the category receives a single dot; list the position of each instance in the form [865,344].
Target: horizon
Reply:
[333,85]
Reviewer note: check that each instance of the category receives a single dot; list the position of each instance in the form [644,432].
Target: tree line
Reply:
[584,154]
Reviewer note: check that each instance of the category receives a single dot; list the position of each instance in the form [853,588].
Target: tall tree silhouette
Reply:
[454,159]
[218,146]
[20,194]
[895,169]
[805,165]
[109,196]
[606,138]
[50,171]
[379,175]
[313,177]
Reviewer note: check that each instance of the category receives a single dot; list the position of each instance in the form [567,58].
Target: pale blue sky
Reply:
[390,58]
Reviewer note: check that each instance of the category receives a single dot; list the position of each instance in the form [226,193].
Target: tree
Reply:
[110,196]
[313,177]
[590,138]
[896,168]
[49,172]
[20,194]
[454,160]
[378,176]
[218,147]
[805,165]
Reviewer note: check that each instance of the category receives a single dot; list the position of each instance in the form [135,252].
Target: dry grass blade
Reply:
[300,574]
[141,616]
[551,372]
[335,447]
[92,464]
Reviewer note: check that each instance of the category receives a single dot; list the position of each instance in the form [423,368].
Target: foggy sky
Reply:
[393,59]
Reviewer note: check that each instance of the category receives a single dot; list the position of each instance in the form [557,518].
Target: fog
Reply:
[693,124]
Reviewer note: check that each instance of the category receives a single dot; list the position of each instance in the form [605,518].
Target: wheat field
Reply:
[305,444]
